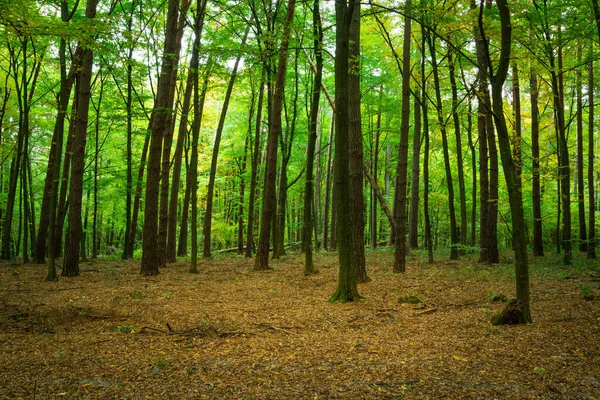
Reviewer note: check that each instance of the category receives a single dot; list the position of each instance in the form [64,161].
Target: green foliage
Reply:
[587,292]
[124,329]
[409,300]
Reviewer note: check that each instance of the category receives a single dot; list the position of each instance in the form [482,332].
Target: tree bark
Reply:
[160,116]
[84,78]
[346,290]
[262,252]
[536,198]
[356,154]
[591,254]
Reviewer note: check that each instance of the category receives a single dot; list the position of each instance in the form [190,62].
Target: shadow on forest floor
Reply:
[230,332]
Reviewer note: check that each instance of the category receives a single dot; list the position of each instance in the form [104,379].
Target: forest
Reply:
[299,199]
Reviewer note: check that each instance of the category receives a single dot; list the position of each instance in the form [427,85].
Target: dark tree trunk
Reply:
[413,233]
[462,193]
[309,209]
[591,254]
[328,179]
[536,197]
[346,290]
[449,184]
[428,234]
[580,167]
[268,208]
[84,79]
[375,171]
[401,180]
[253,179]
[163,226]
[508,163]
[160,117]
[355,138]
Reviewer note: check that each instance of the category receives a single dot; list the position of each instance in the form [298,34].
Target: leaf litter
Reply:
[231,332]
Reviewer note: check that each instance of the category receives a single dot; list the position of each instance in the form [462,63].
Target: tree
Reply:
[160,114]
[84,79]
[309,217]
[268,206]
[497,79]
[346,290]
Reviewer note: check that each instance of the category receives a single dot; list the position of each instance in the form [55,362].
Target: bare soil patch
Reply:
[230,332]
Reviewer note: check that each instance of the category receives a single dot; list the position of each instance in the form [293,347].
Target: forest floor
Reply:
[230,332]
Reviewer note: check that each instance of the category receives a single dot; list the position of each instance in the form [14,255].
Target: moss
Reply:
[409,300]
[512,314]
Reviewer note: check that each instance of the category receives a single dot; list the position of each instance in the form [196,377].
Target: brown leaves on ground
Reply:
[230,332]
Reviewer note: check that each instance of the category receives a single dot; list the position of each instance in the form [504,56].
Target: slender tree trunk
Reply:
[517,140]
[374,218]
[253,179]
[355,137]
[309,210]
[198,109]
[413,233]
[401,179]
[462,192]
[160,116]
[84,78]
[262,252]
[129,109]
[538,244]
[580,166]
[591,253]
[508,163]
[428,234]
[449,184]
[215,156]
[326,213]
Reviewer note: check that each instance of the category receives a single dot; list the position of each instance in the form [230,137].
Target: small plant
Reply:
[496,297]
[409,300]
[541,372]
[124,329]
[169,295]
[161,365]
[61,353]
[587,292]
[136,294]
[191,369]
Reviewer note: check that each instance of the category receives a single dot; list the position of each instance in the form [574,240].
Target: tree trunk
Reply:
[536,198]
[84,78]
[413,233]
[462,193]
[591,254]
[253,179]
[346,290]
[160,116]
[309,209]
[355,142]
[508,163]
[262,252]
[580,167]
[215,156]
[328,179]
[428,234]
[449,184]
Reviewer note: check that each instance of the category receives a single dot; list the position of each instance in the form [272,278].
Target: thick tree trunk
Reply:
[346,290]
[84,79]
